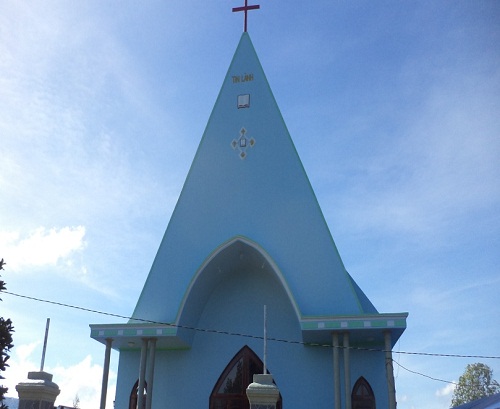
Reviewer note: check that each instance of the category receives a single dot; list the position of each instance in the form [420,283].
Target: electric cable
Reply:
[424,375]
[215,331]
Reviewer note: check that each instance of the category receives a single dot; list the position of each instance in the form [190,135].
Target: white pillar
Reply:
[347,372]
[389,370]
[262,392]
[336,370]
[142,374]
[105,373]
[38,391]
[151,370]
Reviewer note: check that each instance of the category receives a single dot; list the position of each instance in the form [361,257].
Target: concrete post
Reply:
[347,372]
[151,370]
[38,391]
[105,373]
[142,374]
[336,369]
[262,392]
[389,370]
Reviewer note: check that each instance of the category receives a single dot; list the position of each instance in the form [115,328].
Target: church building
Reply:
[248,232]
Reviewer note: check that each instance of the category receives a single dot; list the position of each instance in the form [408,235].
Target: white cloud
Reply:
[20,363]
[72,103]
[41,247]
[446,390]
[83,379]
[439,170]
[23,352]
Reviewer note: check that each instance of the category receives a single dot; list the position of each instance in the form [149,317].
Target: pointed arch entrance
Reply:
[230,390]
[238,253]
[362,396]
[134,396]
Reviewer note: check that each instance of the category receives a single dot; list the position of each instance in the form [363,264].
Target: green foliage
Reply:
[475,383]
[6,330]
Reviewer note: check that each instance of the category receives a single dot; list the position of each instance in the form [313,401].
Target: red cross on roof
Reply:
[245,8]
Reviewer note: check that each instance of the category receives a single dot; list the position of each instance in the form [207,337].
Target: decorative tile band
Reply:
[132,332]
[352,324]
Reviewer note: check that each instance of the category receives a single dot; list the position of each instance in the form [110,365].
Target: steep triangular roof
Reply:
[247,180]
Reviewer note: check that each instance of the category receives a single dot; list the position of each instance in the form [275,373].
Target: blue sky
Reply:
[394,110]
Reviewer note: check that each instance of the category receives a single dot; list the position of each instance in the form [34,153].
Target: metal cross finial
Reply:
[245,8]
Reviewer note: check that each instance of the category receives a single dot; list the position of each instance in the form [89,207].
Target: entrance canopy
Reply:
[234,257]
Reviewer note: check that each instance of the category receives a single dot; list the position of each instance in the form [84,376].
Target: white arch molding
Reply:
[237,253]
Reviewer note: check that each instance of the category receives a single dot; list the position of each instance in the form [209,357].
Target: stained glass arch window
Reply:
[362,396]
[134,396]
[230,390]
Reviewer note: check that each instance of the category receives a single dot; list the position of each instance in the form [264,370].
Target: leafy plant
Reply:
[476,382]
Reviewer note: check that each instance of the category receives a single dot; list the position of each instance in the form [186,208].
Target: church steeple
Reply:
[247,181]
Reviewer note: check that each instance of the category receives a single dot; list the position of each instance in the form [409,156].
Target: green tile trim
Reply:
[359,323]
[121,332]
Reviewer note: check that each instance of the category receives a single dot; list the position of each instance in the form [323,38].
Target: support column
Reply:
[336,369]
[389,370]
[105,373]
[142,374]
[347,372]
[151,370]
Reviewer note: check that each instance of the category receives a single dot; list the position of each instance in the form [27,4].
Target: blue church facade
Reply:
[247,231]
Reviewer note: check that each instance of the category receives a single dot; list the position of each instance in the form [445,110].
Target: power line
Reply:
[215,331]
[424,375]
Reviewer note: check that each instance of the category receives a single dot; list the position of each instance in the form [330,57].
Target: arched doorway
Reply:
[230,390]
[362,396]
[134,396]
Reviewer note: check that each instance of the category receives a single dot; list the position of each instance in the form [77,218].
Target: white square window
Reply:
[244,101]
